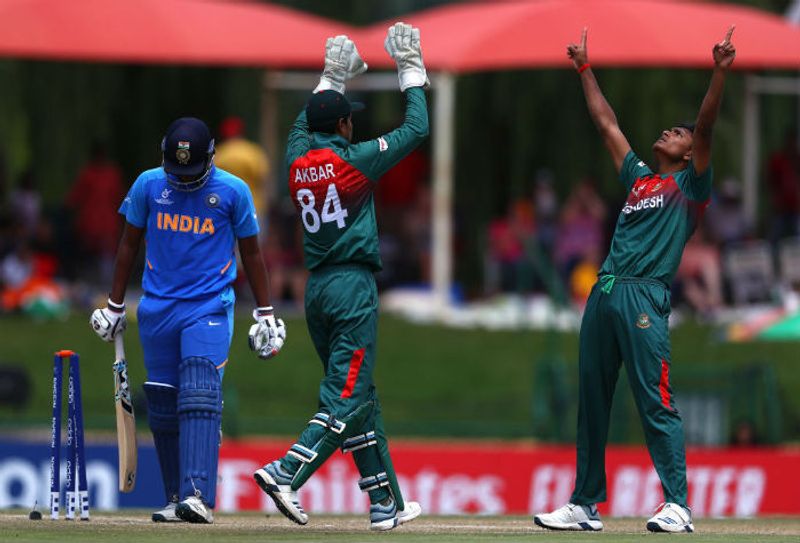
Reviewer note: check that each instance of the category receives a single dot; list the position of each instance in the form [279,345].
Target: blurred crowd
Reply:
[40,253]
[550,241]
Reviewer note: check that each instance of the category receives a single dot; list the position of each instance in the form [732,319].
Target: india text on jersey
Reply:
[184,223]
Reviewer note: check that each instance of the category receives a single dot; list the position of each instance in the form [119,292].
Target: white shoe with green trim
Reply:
[672,518]
[571,517]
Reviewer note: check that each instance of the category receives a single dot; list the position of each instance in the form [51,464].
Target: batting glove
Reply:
[402,44]
[109,322]
[342,62]
[267,335]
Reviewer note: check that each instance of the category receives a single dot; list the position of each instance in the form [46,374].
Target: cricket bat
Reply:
[126,422]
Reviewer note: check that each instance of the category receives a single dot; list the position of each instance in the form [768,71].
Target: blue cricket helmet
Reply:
[187,152]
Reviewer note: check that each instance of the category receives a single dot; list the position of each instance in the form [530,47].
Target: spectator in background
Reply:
[783,178]
[398,196]
[283,255]
[94,198]
[28,273]
[418,234]
[398,188]
[3,182]
[509,239]
[744,434]
[246,160]
[6,233]
[584,276]
[545,204]
[580,237]
[698,280]
[6,219]
[725,218]
[25,204]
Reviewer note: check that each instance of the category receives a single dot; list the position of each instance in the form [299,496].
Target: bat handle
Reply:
[119,347]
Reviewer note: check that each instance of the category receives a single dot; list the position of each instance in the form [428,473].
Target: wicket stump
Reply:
[77,491]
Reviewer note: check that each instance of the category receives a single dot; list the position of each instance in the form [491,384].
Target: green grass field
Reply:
[433,381]
[329,529]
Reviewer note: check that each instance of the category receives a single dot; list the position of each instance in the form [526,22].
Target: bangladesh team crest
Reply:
[182,154]
[643,321]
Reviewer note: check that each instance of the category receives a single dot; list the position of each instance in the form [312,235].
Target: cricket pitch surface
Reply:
[132,526]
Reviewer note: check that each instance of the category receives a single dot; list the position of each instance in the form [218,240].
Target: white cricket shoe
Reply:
[194,510]
[412,511]
[385,516]
[276,482]
[671,517]
[167,514]
[571,517]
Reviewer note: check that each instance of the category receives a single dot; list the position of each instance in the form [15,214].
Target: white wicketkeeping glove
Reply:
[402,44]
[267,335]
[109,321]
[342,62]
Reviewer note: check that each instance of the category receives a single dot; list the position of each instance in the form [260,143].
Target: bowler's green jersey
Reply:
[331,183]
[658,218]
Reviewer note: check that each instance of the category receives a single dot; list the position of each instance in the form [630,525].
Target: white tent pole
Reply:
[442,208]
[754,87]
[750,149]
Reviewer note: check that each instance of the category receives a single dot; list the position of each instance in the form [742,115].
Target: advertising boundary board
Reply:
[448,478]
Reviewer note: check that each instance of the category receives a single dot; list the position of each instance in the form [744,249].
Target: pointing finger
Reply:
[583,36]
[729,34]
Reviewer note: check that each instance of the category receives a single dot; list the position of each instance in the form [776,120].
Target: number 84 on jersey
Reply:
[331,210]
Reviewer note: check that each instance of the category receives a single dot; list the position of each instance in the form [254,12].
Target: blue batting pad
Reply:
[162,414]
[199,416]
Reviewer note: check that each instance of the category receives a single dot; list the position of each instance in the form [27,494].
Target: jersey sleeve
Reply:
[245,219]
[134,206]
[696,186]
[632,169]
[299,140]
[375,157]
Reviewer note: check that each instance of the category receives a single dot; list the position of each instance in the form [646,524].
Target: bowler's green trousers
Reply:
[626,321]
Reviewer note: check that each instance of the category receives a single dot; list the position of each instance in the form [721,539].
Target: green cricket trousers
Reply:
[626,321]
[341,305]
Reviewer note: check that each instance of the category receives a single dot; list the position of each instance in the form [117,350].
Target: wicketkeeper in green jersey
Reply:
[625,320]
[331,181]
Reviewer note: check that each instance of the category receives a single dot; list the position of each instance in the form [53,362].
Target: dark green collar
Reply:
[323,140]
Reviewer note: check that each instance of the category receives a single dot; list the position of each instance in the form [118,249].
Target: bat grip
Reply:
[119,347]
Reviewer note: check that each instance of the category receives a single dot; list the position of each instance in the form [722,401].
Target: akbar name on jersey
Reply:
[314,173]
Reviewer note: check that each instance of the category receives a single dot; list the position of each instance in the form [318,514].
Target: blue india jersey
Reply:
[190,237]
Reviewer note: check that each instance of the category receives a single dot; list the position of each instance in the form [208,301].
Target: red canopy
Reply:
[526,34]
[165,31]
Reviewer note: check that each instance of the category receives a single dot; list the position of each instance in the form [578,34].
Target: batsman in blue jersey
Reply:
[191,216]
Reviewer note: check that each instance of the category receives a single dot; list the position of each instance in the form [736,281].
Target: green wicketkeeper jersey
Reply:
[331,183]
[659,216]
